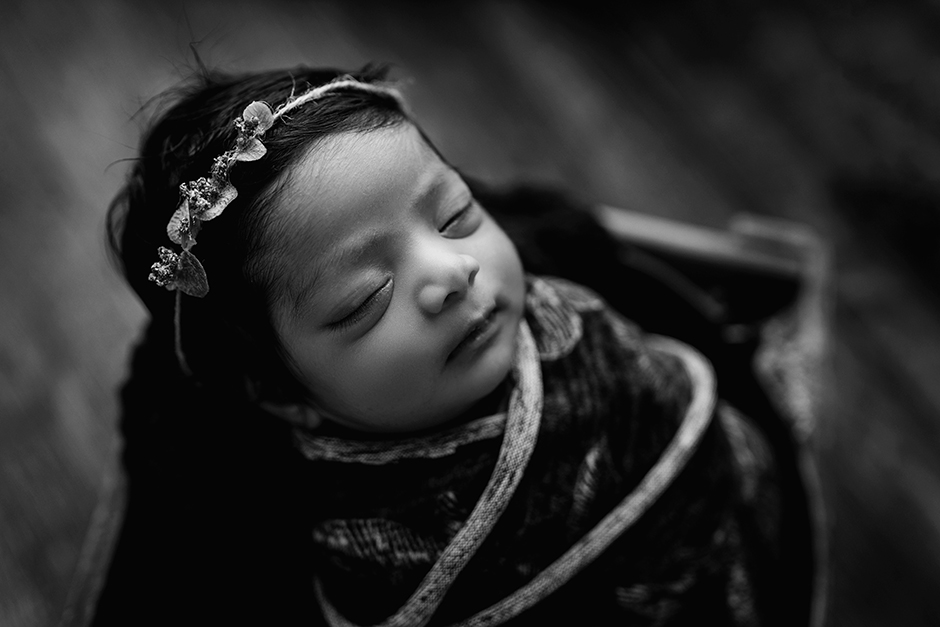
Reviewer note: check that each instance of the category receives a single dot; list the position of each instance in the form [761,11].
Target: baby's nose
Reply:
[448,283]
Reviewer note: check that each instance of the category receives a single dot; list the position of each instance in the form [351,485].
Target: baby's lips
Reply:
[473,324]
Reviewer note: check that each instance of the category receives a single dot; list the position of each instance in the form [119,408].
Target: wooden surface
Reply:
[693,111]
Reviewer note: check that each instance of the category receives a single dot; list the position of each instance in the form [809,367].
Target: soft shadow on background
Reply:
[825,113]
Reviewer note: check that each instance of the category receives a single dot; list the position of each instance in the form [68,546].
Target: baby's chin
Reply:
[486,399]
[485,402]
[488,393]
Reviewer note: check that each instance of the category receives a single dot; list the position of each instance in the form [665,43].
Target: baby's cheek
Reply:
[397,365]
[511,273]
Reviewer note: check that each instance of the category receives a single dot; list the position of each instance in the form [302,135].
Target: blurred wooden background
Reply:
[822,112]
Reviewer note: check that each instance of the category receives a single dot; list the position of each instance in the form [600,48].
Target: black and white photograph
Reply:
[474,313]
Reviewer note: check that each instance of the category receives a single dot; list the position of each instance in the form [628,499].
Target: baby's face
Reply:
[404,295]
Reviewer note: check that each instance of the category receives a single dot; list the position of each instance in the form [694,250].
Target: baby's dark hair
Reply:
[227,337]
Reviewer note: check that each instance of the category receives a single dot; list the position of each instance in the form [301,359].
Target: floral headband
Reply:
[207,197]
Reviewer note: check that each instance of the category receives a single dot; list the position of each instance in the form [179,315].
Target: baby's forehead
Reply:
[339,167]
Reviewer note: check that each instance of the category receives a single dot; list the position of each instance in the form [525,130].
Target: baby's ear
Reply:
[299,414]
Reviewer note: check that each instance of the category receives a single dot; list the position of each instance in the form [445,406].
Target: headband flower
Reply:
[205,199]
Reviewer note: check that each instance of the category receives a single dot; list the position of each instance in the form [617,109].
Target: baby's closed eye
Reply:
[462,222]
[375,303]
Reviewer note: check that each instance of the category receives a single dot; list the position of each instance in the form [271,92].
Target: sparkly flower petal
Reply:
[221,165]
[226,195]
[178,223]
[262,113]
[191,276]
[188,231]
[163,272]
[252,152]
